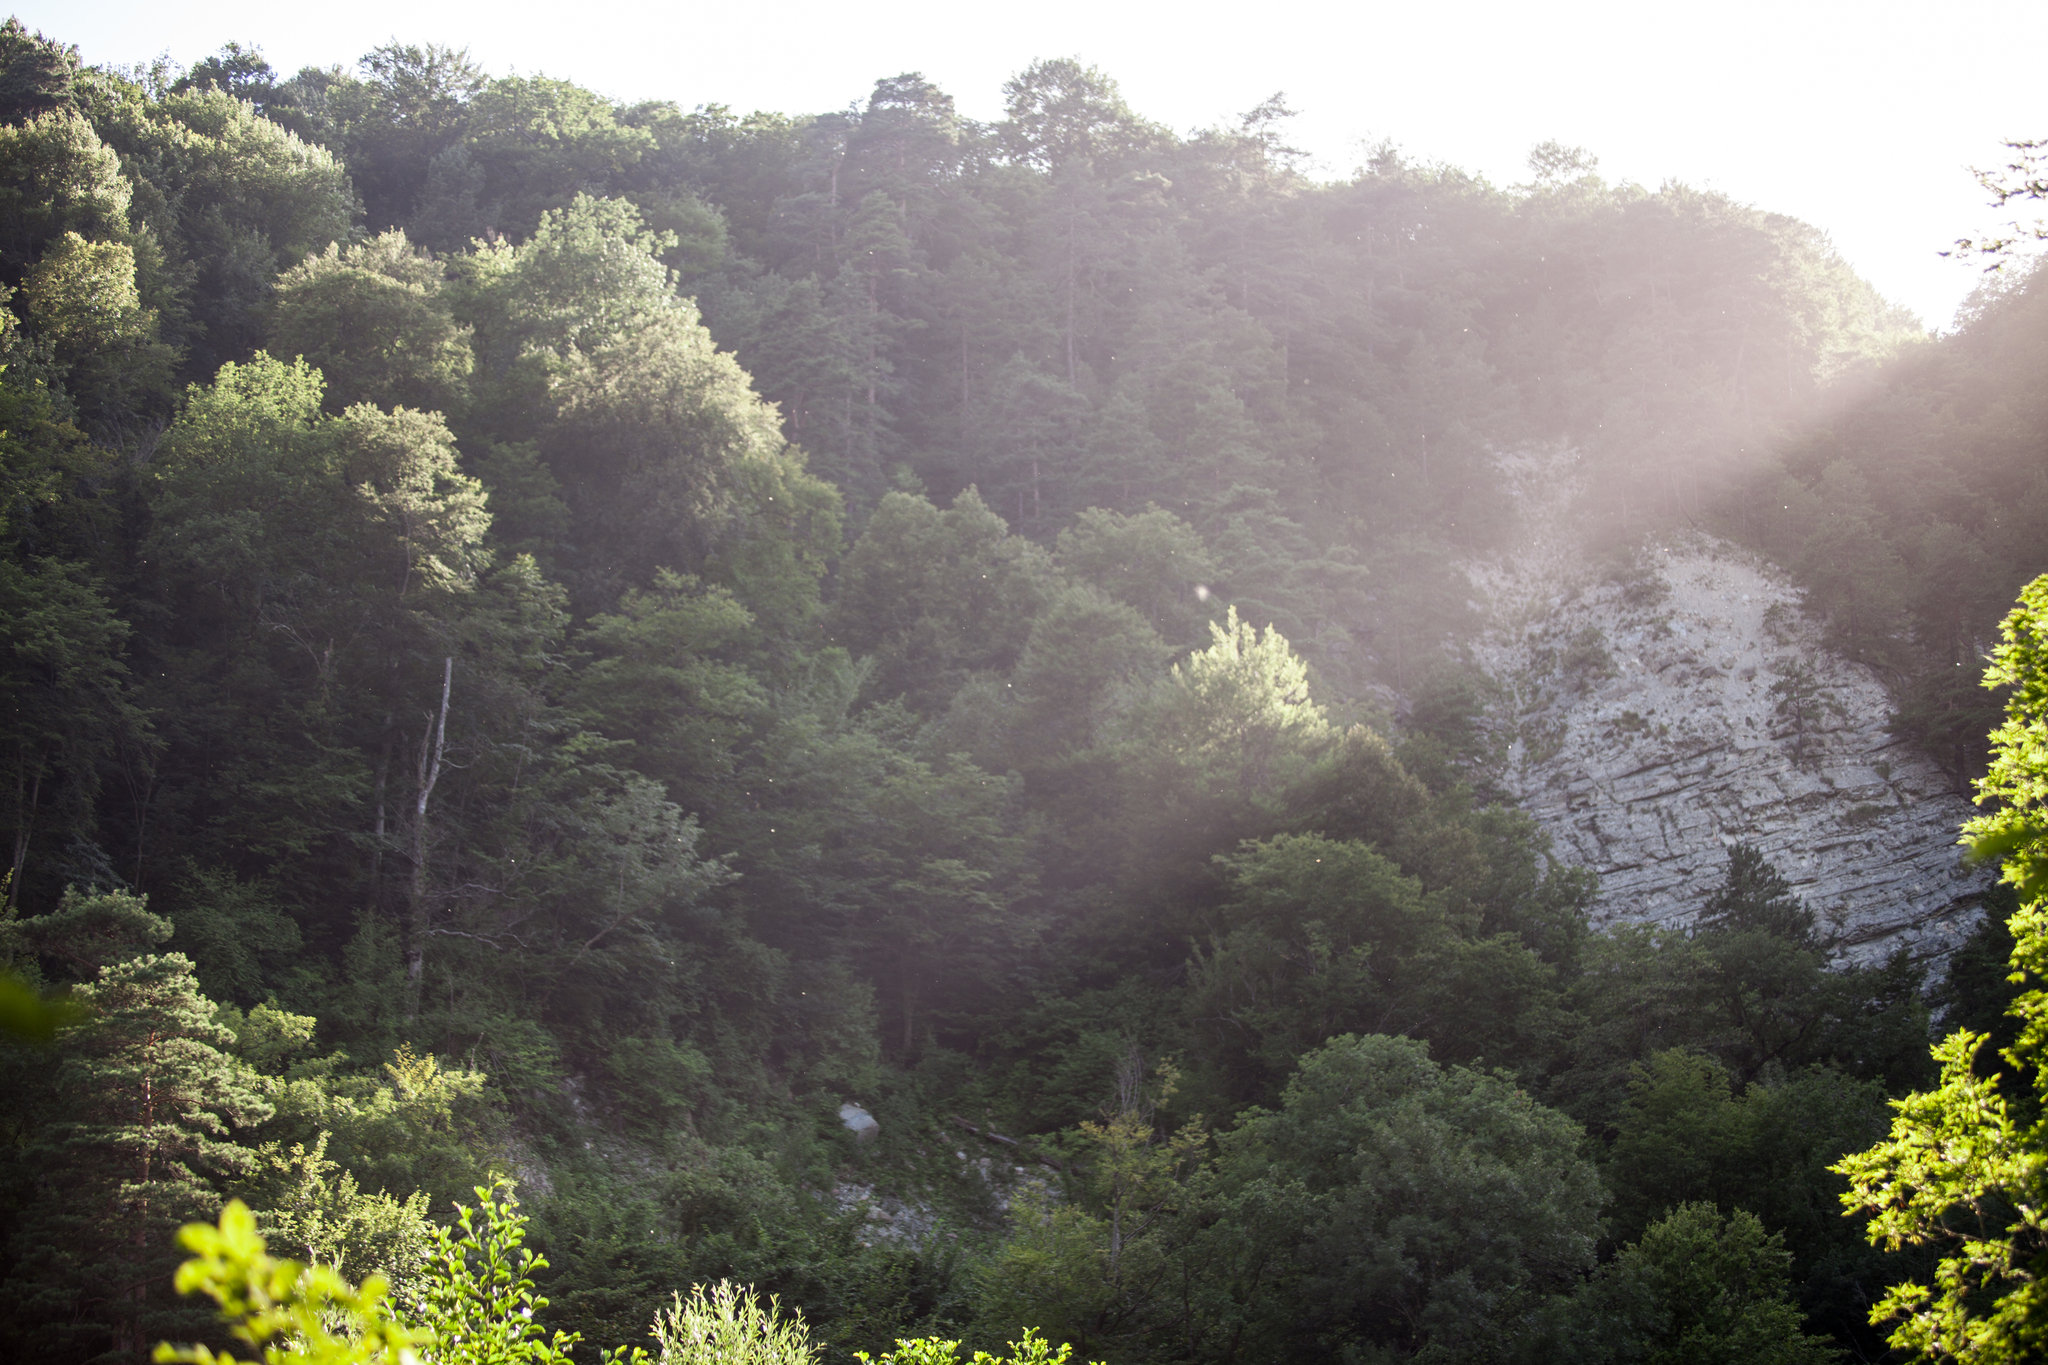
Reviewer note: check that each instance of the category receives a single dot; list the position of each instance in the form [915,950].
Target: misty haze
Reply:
[776,738]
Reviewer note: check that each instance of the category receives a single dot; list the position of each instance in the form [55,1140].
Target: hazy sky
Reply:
[1861,118]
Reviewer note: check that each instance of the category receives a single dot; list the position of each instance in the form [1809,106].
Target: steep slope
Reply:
[1652,710]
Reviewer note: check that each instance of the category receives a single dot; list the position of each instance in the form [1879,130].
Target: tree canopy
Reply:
[880,707]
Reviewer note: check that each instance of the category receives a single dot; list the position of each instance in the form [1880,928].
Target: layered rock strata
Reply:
[1651,710]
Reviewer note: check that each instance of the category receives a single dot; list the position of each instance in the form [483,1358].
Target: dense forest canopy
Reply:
[565,640]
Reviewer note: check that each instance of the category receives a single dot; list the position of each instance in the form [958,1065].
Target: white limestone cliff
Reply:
[1651,711]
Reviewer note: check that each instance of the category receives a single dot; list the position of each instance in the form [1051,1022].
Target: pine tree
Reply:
[1756,896]
[147,1092]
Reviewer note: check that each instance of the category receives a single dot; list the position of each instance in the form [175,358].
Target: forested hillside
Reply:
[1914,512]
[563,640]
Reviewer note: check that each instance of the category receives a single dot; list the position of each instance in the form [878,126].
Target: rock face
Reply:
[859,1122]
[1651,711]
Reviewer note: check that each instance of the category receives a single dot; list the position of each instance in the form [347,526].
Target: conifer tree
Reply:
[1756,896]
[147,1093]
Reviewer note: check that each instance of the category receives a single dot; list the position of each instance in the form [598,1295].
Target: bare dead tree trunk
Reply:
[429,773]
[141,794]
[909,1007]
[874,327]
[377,848]
[1073,371]
[1131,1112]
[25,804]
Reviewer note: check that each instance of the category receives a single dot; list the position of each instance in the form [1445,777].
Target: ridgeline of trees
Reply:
[561,640]
[1914,512]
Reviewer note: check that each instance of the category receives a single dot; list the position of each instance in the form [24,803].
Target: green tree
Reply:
[82,301]
[414,109]
[1964,1166]
[1697,1287]
[935,595]
[286,1310]
[236,199]
[2024,178]
[1760,961]
[412,1126]
[1751,985]
[388,118]
[540,144]
[69,710]
[1319,937]
[667,676]
[87,931]
[1027,423]
[372,319]
[323,562]
[1071,121]
[238,70]
[1390,1206]
[1086,656]
[57,176]
[69,719]
[1756,895]
[150,1089]
[1686,1134]
[474,1303]
[938,906]
[1239,712]
[36,73]
[663,452]
[1978,989]
[1094,1275]
[1151,560]
[312,1207]
[241,942]
[1122,461]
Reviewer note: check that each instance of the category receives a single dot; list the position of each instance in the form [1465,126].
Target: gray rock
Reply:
[862,1124]
[1647,776]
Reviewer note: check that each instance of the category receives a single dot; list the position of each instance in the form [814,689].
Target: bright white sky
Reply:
[1863,118]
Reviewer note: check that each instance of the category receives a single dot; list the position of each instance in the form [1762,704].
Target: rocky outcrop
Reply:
[1652,710]
[859,1122]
